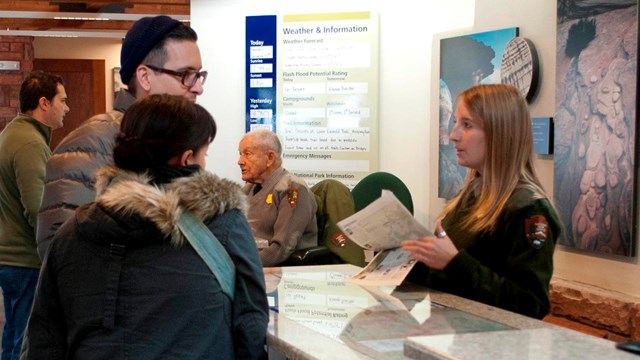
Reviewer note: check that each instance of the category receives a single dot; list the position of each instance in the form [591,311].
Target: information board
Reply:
[313,79]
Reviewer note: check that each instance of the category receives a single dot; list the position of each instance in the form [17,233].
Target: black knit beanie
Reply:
[144,34]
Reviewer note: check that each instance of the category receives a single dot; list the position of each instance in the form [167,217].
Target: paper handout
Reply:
[382,226]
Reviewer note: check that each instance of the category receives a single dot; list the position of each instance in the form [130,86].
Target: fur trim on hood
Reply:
[203,194]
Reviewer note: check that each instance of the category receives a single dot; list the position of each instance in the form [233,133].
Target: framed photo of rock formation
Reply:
[595,150]
[464,61]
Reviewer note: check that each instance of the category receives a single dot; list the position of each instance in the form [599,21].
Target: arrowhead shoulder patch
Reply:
[537,230]
[293,197]
[339,239]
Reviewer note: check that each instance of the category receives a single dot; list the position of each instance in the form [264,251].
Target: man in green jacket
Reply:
[24,151]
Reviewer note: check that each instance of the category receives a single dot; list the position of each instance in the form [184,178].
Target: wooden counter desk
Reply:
[315,315]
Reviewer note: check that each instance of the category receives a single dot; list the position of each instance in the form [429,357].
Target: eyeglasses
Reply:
[188,77]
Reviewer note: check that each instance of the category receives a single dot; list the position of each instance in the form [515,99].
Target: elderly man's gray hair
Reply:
[266,138]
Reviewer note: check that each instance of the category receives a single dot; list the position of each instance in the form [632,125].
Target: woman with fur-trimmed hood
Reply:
[120,281]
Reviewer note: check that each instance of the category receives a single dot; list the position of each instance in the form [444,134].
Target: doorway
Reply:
[84,83]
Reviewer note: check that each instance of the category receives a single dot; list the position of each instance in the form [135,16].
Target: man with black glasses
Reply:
[159,56]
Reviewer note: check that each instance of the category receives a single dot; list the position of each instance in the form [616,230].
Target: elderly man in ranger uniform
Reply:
[282,209]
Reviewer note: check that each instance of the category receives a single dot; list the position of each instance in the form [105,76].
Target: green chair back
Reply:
[335,203]
[370,188]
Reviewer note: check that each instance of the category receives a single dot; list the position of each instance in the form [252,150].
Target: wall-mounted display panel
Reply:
[595,150]
[464,61]
[313,79]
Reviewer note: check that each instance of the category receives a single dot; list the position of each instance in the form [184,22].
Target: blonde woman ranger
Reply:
[496,237]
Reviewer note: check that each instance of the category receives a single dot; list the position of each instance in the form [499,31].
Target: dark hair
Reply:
[158,55]
[157,128]
[36,85]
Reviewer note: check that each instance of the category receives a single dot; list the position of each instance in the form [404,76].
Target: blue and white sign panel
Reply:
[260,72]
[313,79]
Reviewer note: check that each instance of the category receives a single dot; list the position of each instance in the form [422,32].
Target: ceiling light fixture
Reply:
[80,18]
[52,33]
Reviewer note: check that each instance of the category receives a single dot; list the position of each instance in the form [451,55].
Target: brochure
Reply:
[381,227]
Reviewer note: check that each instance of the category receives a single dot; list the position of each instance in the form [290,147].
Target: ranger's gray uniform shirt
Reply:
[284,213]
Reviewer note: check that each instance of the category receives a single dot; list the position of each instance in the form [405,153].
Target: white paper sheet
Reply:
[389,267]
[382,226]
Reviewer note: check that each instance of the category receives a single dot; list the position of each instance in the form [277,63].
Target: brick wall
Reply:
[595,311]
[13,48]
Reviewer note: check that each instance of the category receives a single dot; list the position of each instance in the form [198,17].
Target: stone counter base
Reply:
[595,311]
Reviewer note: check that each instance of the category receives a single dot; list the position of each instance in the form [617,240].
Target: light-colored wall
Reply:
[82,48]
[406,37]
[409,52]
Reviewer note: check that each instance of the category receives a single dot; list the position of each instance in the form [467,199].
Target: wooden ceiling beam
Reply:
[171,7]
[27,6]
[35,22]
[159,9]
[62,25]
[104,2]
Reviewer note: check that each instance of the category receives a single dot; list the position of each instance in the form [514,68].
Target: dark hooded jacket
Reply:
[120,281]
